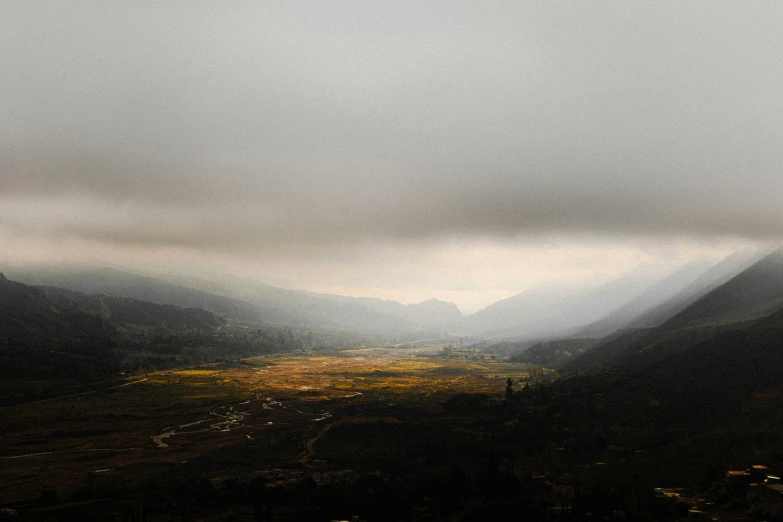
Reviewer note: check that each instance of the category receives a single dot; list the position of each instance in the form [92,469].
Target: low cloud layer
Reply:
[269,127]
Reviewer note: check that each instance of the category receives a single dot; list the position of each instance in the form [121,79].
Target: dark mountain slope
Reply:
[749,359]
[52,337]
[552,353]
[124,311]
[708,281]
[642,347]
[122,284]
[755,293]
[29,317]
[684,418]
[733,380]
[650,298]
[557,312]
[42,339]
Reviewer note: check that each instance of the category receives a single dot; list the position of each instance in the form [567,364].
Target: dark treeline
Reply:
[33,365]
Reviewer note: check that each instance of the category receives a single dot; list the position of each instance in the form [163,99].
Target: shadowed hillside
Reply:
[548,312]
[257,302]
[667,297]
[51,336]
[708,281]
[755,293]
[122,284]
[128,311]
[28,316]
[552,353]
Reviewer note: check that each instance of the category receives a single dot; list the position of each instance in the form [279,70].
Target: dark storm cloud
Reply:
[202,124]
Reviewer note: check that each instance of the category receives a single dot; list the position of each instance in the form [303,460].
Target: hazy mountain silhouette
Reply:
[666,298]
[254,301]
[308,308]
[752,295]
[123,284]
[431,312]
[128,311]
[531,312]
[552,311]
[755,292]
[709,280]
[651,298]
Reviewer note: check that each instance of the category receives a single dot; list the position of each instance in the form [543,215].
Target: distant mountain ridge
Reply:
[550,312]
[748,298]
[709,280]
[538,314]
[249,300]
[129,311]
[431,312]
[116,283]
[756,291]
[31,315]
[666,298]
[648,299]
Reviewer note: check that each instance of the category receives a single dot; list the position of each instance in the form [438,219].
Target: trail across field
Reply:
[229,418]
[273,411]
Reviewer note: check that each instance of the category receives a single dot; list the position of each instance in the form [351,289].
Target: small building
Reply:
[738,480]
[758,471]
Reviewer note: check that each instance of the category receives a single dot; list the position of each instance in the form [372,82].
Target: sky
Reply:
[405,150]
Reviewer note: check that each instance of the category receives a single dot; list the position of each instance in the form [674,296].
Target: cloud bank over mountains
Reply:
[297,130]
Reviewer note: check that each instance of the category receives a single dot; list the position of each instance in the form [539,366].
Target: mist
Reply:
[405,151]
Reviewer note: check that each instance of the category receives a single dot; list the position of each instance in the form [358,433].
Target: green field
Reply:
[273,416]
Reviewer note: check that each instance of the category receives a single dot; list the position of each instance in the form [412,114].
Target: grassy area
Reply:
[57,444]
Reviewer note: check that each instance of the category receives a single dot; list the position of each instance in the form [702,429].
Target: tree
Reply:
[535,373]
[509,388]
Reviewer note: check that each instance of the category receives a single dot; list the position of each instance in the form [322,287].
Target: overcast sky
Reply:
[462,150]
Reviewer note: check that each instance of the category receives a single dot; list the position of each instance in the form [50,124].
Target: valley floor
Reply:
[421,433]
[277,419]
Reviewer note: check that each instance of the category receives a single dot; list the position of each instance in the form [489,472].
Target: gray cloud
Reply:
[215,126]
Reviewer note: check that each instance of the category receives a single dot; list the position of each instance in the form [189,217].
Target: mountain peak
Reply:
[433,300]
